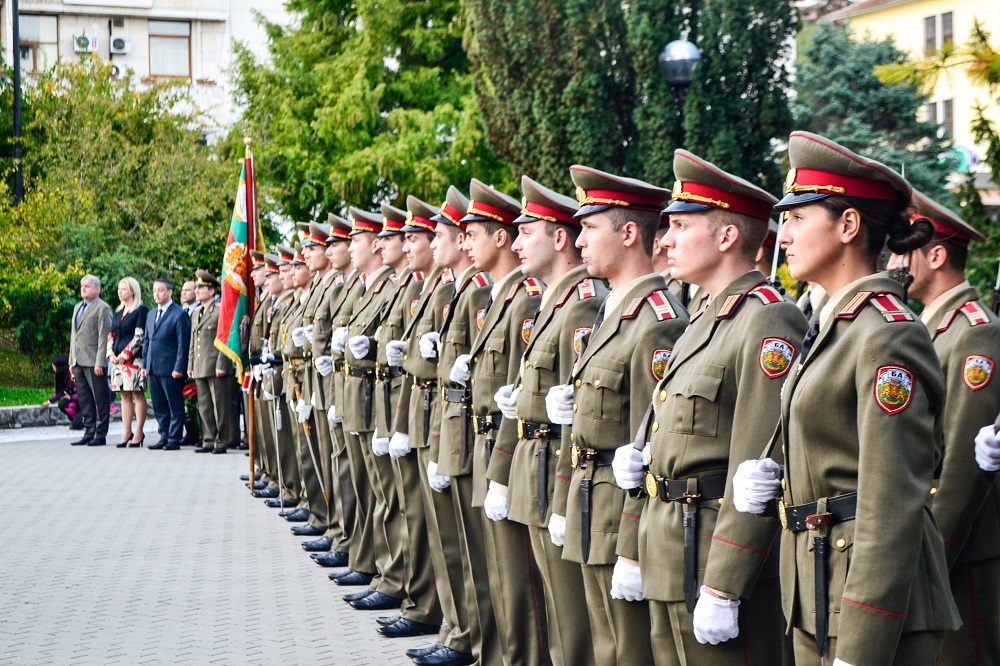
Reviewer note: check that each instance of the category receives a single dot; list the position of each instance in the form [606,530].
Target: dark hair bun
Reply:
[906,236]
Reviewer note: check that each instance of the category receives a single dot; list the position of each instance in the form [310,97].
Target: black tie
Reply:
[808,309]
[79,315]
[489,302]
[600,318]
[159,313]
[810,338]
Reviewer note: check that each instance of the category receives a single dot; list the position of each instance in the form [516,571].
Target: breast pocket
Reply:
[601,389]
[538,374]
[457,340]
[693,405]
[494,360]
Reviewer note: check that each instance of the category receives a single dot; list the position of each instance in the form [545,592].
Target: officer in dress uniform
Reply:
[266,460]
[333,312]
[863,569]
[716,403]
[540,468]
[492,362]
[965,501]
[419,346]
[210,370]
[609,389]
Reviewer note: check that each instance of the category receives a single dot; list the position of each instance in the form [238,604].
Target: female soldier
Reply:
[863,572]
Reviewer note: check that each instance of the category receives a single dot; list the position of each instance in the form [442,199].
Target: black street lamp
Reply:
[676,63]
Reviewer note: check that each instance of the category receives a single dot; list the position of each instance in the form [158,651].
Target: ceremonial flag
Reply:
[238,295]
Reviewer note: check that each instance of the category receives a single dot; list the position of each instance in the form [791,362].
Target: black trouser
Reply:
[168,405]
[95,403]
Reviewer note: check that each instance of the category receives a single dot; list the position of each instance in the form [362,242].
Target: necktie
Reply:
[489,302]
[600,318]
[810,338]
[808,309]
[79,314]
[159,313]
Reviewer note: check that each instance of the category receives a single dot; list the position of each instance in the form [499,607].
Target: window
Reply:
[170,49]
[930,112]
[946,118]
[947,33]
[930,34]
[39,43]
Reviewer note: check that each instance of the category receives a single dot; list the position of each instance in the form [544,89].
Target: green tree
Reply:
[839,96]
[363,102]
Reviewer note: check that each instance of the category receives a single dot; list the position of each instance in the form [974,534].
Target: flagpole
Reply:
[251,207]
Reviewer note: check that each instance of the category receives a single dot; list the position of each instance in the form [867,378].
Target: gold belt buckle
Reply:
[651,489]
[475,424]
[520,429]
[781,514]
[576,457]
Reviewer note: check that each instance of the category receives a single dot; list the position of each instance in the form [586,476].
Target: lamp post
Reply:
[16,51]
[676,63]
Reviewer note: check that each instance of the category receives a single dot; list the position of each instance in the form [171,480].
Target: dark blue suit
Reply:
[164,351]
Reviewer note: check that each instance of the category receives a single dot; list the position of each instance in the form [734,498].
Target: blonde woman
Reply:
[125,352]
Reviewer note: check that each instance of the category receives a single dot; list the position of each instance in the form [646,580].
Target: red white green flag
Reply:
[238,296]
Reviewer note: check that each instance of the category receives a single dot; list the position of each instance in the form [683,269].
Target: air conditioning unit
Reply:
[84,43]
[121,45]
[117,70]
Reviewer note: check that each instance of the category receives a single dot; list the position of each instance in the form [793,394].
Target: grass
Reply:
[15,396]
[17,369]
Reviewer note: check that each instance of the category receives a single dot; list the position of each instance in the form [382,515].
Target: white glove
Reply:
[399,445]
[324,365]
[715,620]
[266,358]
[256,372]
[460,371]
[506,399]
[559,404]
[394,352]
[267,395]
[331,414]
[298,336]
[755,483]
[557,529]
[628,466]
[437,482]
[626,581]
[359,346]
[267,370]
[429,343]
[303,409]
[308,332]
[988,450]
[338,340]
[495,504]
[380,445]
[840,662]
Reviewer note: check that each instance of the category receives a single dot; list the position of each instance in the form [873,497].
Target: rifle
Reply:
[996,293]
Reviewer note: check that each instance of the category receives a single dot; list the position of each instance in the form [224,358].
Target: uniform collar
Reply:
[617,295]
[933,309]
[827,312]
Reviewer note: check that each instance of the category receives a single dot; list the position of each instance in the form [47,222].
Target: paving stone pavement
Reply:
[130,556]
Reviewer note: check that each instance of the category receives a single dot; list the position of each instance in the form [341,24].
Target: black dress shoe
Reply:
[404,628]
[219,449]
[98,441]
[246,477]
[354,596]
[386,620]
[278,503]
[307,530]
[159,445]
[413,653]
[300,515]
[353,578]
[84,441]
[320,545]
[333,558]
[257,485]
[203,449]
[377,601]
[267,493]
[172,447]
[446,657]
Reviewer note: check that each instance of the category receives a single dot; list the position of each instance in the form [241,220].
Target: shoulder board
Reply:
[532,286]
[730,306]
[632,310]
[586,289]
[891,308]
[418,275]
[480,280]
[381,285]
[768,294]
[563,297]
[339,279]
[855,305]
[448,276]
[661,305]
[975,313]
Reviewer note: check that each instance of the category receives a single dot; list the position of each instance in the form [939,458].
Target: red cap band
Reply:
[418,221]
[825,182]
[365,225]
[389,224]
[492,212]
[943,231]
[711,196]
[451,213]
[615,198]
[541,212]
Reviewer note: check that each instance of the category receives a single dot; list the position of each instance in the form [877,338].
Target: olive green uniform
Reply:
[874,369]
[541,461]
[219,425]
[966,504]
[273,387]
[716,406]
[613,380]
[266,459]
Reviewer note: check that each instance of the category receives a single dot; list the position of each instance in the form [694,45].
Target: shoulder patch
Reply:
[977,372]
[776,356]
[768,294]
[893,388]
[586,289]
[855,305]
[480,318]
[632,309]
[891,308]
[526,327]
[448,276]
[444,311]
[532,286]
[414,304]
[975,313]
[580,336]
[480,280]
[658,364]
[661,305]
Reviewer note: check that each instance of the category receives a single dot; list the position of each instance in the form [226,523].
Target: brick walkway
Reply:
[129,556]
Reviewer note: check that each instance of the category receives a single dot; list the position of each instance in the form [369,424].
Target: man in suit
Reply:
[164,361]
[211,371]
[87,359]
[189,297]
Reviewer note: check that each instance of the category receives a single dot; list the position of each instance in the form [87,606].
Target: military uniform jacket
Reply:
[393,393]
[317,315]
[557,338]
[861,413]
[255,343]
[718,405]
[337,312]
[435,297]
[280,306]
[462,322]
[966,338]
[613,380]
[368,311]
[203,356]
[294,357]
[496,360]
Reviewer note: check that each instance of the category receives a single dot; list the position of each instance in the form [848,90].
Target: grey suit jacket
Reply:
[88,342]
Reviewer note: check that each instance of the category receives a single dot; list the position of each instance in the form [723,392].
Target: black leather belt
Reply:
[388,372]
[338,366]
[600,458]
[488,425]
[456,395]
[364,373]
[588,460]
[527,430]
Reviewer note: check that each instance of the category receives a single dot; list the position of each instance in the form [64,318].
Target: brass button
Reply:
[574,408]
[472,382]
[841,543]
[489,349]
[451,341]
[663,396]
[578,383]
[405,357]
[527,363]
[656,426]
[720,501]
[784,485]
[536,364]
[475,359]
[558,452]
[597,383]
[572,437]
[933,491]
[379,329]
